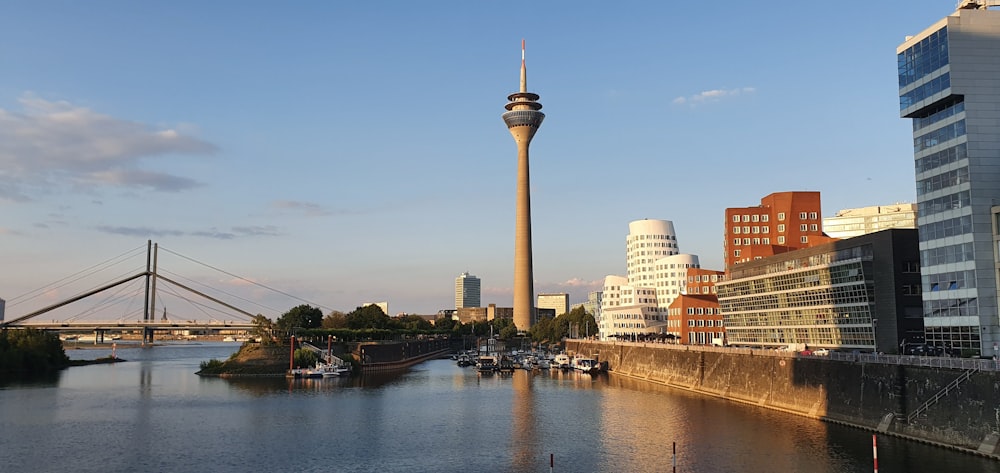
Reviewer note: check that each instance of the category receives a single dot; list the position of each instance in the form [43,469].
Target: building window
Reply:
[756,241]
[736,218]
[746,241]
[812,215]
[736,241]
[736,229]
[736,253]
[690,321]
[756,229]
[813,228]
[781,228]
[781,216]
[754,218]
[802,215]
[765,229]
[746,218]
[766,241]
[746,229]
[781,240]
[804,239]
[803,227]
[764,218]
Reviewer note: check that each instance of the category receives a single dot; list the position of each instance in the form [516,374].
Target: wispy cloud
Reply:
[713,95]
[308,208]
[49,143]
[235,232]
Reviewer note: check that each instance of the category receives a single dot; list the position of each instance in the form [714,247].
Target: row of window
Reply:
[949,281]
[928,55]
[940,158]
[947,254]
[941,112]
[932,87]
[956,307]
[704,323]
[942,204]
[821,336]
[943,180]
[764,218]
[946,228]
[864,252]
[938,136]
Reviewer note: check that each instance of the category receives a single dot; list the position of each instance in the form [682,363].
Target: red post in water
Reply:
[674,458]
[875,451]
[291,355]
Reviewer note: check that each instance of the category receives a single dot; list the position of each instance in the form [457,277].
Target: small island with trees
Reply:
[27,354]
[269,354]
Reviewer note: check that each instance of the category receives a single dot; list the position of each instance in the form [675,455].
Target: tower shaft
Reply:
[523,119]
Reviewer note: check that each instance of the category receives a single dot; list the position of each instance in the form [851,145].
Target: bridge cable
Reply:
[247,280]
[178,276]
[66,280]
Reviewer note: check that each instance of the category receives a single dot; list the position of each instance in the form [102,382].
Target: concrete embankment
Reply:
[888,398]
[399,355]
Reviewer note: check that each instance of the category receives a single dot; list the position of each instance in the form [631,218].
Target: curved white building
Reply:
[657,274]
[647,241]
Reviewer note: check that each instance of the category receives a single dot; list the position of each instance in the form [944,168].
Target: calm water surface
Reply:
[153,414]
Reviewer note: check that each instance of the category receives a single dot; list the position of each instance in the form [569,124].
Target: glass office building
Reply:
[949,86]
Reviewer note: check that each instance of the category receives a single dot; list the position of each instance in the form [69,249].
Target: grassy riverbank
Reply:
[252,359]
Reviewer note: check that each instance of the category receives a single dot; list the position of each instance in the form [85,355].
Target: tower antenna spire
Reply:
[524,70]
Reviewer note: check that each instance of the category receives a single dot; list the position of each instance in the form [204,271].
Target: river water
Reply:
[153,414]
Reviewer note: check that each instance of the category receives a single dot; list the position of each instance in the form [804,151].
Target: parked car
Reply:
[821,352]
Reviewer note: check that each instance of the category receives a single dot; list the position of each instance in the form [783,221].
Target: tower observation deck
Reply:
[523,119]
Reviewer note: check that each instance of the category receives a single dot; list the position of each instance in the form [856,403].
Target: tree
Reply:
[369,316]
[335,319]
[445,323]
[263,329]
[302,316]
[304,357]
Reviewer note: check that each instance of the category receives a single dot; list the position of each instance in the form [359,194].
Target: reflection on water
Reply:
[152,413]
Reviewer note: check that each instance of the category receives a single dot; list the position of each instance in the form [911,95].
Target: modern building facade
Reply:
[523,119]
[847,294]
[695,318]
[468,291]
[849,223]
[557,302]
[593,304]
[949,86]
[784,221]
[638,304]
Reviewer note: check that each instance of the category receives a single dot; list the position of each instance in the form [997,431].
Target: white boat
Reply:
[328,370]
[561,361]
[585,364]
[487,364]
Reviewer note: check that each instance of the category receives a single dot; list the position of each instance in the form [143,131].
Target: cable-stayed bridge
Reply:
[132,294]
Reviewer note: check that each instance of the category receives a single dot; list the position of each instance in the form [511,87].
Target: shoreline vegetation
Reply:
[30,354]
[252,359]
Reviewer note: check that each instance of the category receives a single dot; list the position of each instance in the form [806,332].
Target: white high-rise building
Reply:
[949,85]
[467,291]
[558,302]
[657,274]
[848,223]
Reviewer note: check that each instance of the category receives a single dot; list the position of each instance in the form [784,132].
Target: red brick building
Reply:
[784,221]
[694,317]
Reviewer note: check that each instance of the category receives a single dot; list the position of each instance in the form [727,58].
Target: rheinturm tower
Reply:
[523,119]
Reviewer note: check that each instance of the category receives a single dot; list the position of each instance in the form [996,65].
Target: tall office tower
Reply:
[784,221]
[949,85]
[467,291]
[523,119]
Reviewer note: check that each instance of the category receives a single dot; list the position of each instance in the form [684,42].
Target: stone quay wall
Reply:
[876,396]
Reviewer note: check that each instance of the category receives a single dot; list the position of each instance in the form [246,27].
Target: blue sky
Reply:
[347,152]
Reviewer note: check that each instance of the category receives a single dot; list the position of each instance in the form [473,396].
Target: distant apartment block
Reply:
[784,221]
[467,291]
[558,302]
[949,86]
[862,293]
[849,223]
